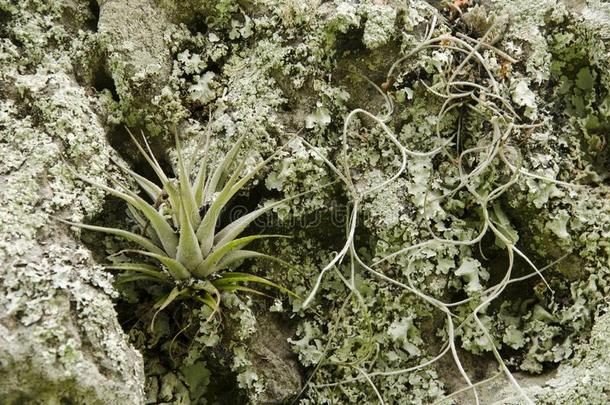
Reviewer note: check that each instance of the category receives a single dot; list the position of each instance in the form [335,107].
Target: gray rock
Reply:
[137,58]
[59,336]
[273,359]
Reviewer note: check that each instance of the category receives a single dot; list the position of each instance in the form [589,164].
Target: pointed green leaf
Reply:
[164,302]
[154,164]
[174,200]
[150,233]
[238,255]
[189,253]
[109,190]
[139,277]
[136,216]
[235,228]
[164,231]
[186,192]
[175,268]
[208,266]
[212,303]
[199,185]
[148,186]
[205,233]
[140,240]
[204,285]
[235,175]
[239,184]
[237,277]
[209,301]
[152,161]
[233,288]
[143,268]
[223,166]
[210,292]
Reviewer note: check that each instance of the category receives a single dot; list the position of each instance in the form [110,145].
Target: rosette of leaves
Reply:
[179,228]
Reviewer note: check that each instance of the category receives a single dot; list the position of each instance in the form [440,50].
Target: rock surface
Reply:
[60,338]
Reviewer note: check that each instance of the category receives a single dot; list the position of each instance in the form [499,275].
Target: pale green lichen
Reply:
[472,272]
[379,25]
[56,301]
[523,96]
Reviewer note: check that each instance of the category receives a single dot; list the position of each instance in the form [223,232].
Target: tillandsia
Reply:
[179,228]
[484,169]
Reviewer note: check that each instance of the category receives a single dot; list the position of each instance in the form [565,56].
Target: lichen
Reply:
[56,302]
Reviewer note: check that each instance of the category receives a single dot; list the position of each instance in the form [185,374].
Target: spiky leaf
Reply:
[229,278]
[215,180]
[175,268]
[187,198]
[164,231]
[239,255]
[189,253]
[208,266]
[140,240]
[142,268]
[164,303]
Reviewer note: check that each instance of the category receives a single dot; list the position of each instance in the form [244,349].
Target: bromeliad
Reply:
[179,228]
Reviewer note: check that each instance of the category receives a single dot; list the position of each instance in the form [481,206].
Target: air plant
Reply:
[179,228]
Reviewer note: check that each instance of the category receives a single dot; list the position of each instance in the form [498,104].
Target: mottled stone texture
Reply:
[60,339]
[135,53]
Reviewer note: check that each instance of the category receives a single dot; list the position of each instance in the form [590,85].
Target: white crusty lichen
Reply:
[56,302]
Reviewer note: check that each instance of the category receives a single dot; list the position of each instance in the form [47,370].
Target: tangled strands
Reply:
[503,122]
